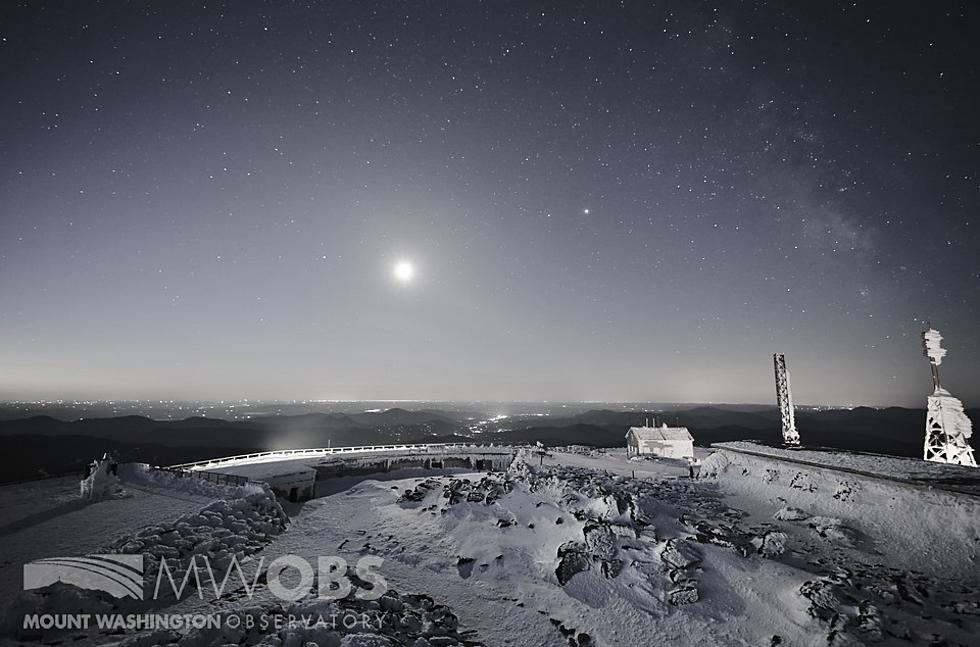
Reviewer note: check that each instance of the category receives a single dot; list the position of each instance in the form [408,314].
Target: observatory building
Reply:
[669,442]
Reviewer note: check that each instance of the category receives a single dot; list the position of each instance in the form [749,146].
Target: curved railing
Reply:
[434,448]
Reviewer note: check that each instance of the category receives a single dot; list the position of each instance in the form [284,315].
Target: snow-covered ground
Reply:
[568,550]
[48,519]
[956,478]
[615,461]
[889,518]
[883,550]
[535,558]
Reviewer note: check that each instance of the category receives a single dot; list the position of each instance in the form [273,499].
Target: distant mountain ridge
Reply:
[893,430]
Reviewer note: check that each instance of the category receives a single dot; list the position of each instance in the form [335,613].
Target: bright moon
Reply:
[404,271]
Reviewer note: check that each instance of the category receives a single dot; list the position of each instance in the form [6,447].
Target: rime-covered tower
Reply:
[948,429]
[784,397]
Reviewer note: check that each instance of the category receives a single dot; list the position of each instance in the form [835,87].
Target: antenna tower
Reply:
[948,429]
[784,398]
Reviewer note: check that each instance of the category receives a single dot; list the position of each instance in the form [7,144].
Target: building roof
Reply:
[660,433]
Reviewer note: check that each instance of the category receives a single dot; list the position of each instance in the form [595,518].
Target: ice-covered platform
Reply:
[293,473]
[911,471]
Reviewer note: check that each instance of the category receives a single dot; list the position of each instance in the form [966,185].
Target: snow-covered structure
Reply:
[948,429]
[101,479]
[293,480]
[784,398]
[669,442]
[294,473]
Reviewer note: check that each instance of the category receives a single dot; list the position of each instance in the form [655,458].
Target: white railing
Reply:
[332,451]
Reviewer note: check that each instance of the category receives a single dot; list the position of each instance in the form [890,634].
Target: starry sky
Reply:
[598,200]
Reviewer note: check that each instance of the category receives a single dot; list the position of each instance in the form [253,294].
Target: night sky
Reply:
[589,201]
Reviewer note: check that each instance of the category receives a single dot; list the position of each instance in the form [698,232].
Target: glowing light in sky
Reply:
[404,271]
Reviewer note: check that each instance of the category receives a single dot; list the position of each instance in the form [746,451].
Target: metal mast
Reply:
[784,397]
[948,429]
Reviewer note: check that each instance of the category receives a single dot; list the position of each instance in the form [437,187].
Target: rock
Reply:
[391,603]
[966,607]
[727,535]
[678,575]
[442,641]
[413,495]
[367,640]
[801,481]
[623,530]
[686,595]
[831,529]
[612,568]
[572,559]
[772,544]
[824,601]
[679,554]
[869,622]
[464,565]
[790,514]
[132,547]
[165,551]
[411,623]
[599,541]
[157,637]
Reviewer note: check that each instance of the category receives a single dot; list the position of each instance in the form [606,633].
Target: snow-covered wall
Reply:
[141,473]
[299,485]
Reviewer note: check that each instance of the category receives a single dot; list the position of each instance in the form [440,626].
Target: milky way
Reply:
[609,201]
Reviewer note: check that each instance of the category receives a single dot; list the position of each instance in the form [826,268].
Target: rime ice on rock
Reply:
[100,480]
[948,429]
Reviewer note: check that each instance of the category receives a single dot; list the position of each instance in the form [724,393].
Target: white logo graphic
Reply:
[122,576]
[118,575]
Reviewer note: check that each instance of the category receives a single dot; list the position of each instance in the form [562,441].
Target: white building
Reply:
[669,442]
